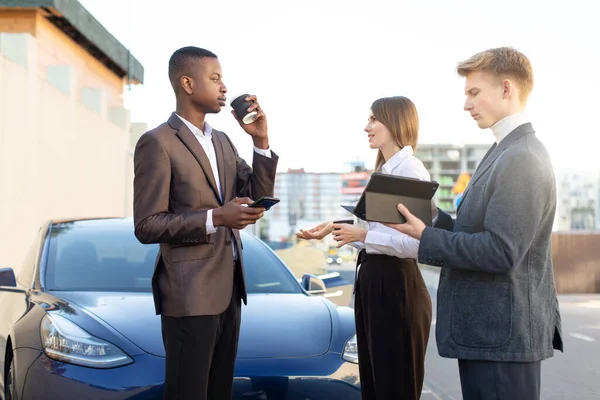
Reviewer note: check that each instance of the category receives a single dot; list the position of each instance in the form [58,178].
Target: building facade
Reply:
[446,163]
[65,136]
[578,205]
[307,199]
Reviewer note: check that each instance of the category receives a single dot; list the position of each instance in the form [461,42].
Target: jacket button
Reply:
[228,243]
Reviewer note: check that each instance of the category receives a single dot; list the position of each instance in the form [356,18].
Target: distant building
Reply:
[307,198]
[66,137]
[354,182]
[446,163]
[578,201]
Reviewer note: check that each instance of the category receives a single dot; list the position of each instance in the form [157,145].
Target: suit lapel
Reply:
[218,143]
[192,144]
[477,170]
[494,152]
[485,157]
[486,163]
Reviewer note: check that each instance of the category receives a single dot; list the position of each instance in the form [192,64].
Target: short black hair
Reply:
[182,58]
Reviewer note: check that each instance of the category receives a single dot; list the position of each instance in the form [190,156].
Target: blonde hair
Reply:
[503,62]
[399,115]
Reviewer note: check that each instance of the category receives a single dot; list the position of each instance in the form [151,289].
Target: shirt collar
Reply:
[195,130]
[508,124]
[396,159]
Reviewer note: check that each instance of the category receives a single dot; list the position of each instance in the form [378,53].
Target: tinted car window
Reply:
[100,257]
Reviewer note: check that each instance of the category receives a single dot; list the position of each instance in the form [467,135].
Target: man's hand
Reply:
[236,214]
[413,226]
[257,128]
[346,233]
[318,232]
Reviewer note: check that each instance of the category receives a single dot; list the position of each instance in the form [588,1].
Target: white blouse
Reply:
[382,239]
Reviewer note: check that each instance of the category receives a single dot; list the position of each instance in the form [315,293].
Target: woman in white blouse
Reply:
[392,305]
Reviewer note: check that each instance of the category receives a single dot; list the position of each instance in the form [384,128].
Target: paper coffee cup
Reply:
[241,107]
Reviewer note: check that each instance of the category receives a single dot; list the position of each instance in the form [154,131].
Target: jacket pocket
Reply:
[187,253]
[472,211]
[481,313]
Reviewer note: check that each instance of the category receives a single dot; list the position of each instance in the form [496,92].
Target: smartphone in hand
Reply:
[265,202]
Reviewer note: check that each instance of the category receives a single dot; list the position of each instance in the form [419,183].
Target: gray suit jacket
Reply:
[496,296]
[174,186]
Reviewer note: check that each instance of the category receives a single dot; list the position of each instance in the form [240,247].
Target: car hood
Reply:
[273,325]
[284,325]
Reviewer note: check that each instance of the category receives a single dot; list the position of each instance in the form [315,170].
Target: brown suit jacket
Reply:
[174,186]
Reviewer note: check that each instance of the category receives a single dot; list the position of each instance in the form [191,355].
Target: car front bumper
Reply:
[323,377]
[54,380]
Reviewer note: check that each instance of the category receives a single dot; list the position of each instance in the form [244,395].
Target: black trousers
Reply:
[201,354]
[392,307]
[483,380]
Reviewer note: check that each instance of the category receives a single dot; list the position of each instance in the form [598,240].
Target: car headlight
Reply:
[329,260]
[65,341]
[350,353]
[339,260]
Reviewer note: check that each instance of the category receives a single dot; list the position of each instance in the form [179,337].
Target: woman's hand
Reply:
[346,233]
[318,232]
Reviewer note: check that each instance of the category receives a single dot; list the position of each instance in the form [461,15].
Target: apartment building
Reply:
[446,163]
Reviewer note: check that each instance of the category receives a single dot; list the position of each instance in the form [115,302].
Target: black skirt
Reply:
[392,307]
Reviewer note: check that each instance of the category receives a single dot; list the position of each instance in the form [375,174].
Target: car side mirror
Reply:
[7,277]
[313,284]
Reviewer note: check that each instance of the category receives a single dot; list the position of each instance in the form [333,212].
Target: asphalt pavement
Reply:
[573,375]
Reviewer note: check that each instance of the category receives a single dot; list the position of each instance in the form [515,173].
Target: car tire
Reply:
[9,386]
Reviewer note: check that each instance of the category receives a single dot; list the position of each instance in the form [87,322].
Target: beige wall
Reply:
[58,158]
[53,47]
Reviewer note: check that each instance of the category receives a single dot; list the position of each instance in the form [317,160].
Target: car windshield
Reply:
[96,256]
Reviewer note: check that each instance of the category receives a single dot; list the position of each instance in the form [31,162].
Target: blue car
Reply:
[78,322]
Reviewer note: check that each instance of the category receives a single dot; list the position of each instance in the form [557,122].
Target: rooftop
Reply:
[81,26]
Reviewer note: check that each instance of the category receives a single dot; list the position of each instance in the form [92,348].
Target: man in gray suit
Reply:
[497,307]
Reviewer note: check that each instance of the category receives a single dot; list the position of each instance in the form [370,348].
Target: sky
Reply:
[317,66]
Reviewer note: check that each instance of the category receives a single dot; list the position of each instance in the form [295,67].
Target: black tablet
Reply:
[383,192]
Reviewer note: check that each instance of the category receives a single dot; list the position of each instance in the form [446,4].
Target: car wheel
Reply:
[9,387]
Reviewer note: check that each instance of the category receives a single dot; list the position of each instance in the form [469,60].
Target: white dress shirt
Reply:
[381,239]
[205,139]
[508,124]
